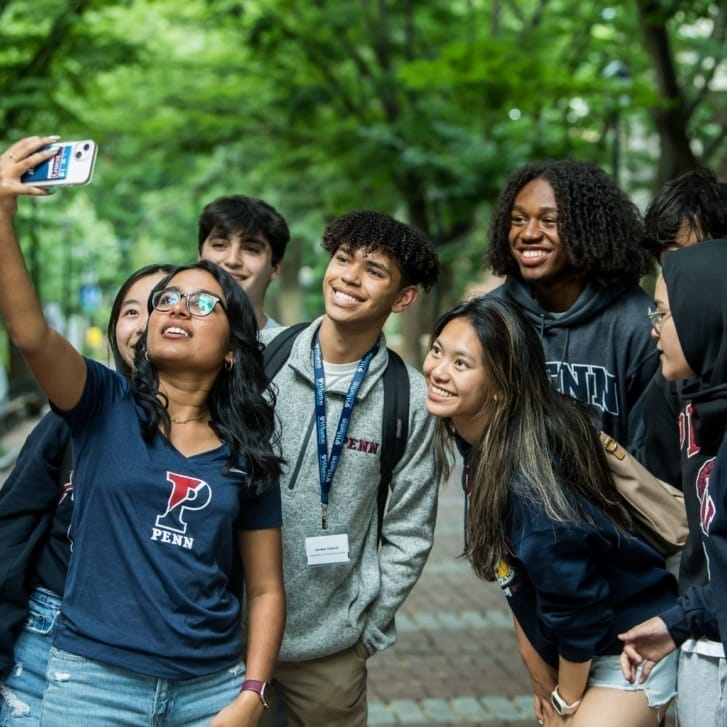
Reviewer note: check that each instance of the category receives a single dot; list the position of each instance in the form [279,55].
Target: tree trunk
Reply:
[670,119]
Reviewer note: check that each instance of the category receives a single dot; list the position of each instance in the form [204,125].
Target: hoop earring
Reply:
[146,356]
[229,365]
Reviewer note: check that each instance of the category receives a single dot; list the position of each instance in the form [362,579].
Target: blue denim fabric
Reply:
[85,693]
[659,687]
[22,691]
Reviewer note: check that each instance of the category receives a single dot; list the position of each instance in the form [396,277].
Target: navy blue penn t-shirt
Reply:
[154,543]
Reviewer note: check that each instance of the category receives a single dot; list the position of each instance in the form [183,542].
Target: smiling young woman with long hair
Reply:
[544,518]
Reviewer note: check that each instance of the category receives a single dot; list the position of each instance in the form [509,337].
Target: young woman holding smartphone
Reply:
[175,483]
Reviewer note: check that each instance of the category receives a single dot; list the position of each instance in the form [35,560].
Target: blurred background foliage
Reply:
[419,109]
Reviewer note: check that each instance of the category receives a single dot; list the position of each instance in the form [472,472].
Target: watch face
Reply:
[558,704]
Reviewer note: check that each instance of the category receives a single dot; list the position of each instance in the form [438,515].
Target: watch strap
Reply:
[561,706]
[255,685]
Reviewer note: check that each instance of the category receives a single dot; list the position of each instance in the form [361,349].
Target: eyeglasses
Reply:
[656,317]
[199,304]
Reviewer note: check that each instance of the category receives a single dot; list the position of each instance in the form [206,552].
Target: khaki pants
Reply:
[325,692]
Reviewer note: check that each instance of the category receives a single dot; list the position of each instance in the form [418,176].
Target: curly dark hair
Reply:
[241,403]
[601,228]
[695,202]
[412,249]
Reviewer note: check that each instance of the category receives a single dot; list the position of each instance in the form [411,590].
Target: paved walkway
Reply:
[455,662]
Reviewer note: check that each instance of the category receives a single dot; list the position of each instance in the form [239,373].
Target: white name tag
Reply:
[324,549]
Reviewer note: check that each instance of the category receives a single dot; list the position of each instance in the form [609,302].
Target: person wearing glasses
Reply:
[689,325]
[569,242]
[689,209]
[176,495]
[36,502]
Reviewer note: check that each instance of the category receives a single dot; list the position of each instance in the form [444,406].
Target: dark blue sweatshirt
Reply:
[702,610]
[573,588]
[599,351]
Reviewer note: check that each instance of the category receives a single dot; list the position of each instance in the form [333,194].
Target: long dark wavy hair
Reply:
[241,403]
[601,228]
[119,364]
[536,438]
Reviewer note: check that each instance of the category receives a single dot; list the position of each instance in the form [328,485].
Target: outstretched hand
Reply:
[16,160]
[644,645]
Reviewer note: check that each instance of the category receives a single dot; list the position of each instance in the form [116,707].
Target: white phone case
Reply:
[72,165]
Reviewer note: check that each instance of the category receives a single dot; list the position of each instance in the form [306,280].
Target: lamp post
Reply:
[618,71]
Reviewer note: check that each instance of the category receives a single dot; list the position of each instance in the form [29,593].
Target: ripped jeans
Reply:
[22,692]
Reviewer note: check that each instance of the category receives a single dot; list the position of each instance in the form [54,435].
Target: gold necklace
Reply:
[178,420]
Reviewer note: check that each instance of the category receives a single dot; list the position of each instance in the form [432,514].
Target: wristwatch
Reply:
[254,685]
[560,705]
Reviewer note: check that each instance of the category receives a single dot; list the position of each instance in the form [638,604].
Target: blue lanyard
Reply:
[327,465]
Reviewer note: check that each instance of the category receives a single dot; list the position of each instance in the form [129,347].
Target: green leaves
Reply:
[418,109]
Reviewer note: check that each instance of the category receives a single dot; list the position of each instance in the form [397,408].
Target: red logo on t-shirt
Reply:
[188,494]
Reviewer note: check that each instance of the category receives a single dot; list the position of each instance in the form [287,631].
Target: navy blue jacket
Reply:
[35,514]
[574,588]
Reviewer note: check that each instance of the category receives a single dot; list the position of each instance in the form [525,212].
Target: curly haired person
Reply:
[570,243]
[343,584]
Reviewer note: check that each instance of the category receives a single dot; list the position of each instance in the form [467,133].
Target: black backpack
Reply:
[395,423]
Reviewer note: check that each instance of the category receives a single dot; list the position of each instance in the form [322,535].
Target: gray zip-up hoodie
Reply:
[331,607]
[599,351]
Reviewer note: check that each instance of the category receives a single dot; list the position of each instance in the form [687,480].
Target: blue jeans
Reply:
[23,690]
[85,693]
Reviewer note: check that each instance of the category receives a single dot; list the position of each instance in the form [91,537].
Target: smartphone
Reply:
[73,164]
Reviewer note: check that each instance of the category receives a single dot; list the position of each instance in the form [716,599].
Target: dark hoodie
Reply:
[35,514]
[694,279]
[672,453]
[599,351]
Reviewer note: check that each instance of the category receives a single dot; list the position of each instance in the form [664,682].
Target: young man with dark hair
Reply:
[689,208]
[345,580]
[247,237]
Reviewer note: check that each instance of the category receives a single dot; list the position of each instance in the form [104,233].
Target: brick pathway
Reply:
[455,662]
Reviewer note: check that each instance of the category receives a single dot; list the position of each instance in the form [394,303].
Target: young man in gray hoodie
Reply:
[343,588]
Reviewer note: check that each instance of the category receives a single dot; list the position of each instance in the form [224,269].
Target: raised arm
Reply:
[58,367]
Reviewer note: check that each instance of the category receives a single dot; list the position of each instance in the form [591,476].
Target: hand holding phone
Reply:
[72,164]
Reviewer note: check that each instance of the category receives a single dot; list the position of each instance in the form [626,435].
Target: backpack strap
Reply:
[395,421]
[277,351]
[394,427]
